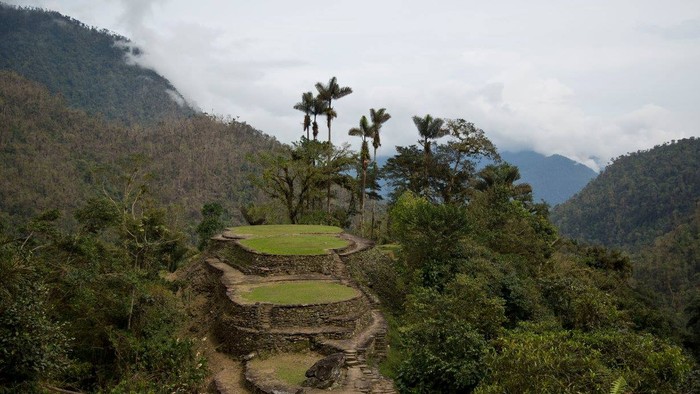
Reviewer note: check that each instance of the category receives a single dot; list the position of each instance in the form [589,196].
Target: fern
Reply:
[618,386]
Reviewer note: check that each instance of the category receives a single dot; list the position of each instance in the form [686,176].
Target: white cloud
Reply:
[590,80]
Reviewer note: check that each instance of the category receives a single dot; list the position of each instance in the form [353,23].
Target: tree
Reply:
[427,232]
[33,344]
[500,182]
[429,129]
[295,174]
[364,131]
[306,105]
[329,92]
[378,118]
[318,107]
[511,222]
[405,171]
[445,173]
[445,335]
[561,361]
[211,223]
[469,143]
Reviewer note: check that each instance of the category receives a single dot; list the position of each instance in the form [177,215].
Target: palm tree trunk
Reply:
[374,201]
[362,197]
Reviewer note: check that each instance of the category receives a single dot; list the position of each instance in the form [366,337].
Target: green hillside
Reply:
[649,204]
[56,157]
[87,66]
[637,198]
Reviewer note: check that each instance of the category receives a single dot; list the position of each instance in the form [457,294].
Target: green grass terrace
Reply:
[299,292]
[286,368]
[300,240]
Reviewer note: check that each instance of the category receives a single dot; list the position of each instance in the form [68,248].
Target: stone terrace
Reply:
[354,326]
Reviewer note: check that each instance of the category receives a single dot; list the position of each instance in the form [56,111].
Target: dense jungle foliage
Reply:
[647,203]
[88,309]
[87,66]
[493,302]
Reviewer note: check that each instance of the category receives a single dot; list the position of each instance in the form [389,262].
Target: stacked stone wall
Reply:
[251,262]
[317,314]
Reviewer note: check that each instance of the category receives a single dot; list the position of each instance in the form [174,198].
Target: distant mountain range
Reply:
[554,179]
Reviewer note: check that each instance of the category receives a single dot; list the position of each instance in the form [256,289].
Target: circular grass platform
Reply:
[290,239]
[295,245]
[299,292]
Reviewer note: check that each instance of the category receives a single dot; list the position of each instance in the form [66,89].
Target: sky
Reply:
[588,79]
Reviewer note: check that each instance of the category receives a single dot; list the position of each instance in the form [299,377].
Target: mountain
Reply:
[648,203]
[89,67]
[56,157]
[637,198]
[554,179]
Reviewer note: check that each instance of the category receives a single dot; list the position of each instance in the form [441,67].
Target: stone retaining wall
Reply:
[317,314]
[254,263]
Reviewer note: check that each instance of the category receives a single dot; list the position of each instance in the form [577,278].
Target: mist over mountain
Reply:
[91,68]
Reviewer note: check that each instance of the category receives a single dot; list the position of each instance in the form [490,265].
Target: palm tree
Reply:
[331,91]
[330,115]
[503,177]
[318,107]
[364,131]
[306,106]
[429,128]
[378,117]
[328,93]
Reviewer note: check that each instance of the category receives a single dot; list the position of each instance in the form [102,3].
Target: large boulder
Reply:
[325,372]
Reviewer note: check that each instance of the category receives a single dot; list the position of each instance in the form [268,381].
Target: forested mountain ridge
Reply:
[87,66]
[55,157]
[649,204]
[637,198]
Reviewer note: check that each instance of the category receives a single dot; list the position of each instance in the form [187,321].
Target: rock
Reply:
[325,372]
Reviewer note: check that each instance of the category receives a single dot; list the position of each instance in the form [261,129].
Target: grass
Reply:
[288,368]
[302,245]
[299,292]
[285,229]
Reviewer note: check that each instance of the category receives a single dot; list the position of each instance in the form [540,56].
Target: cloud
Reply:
[688,29]
[582,81]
